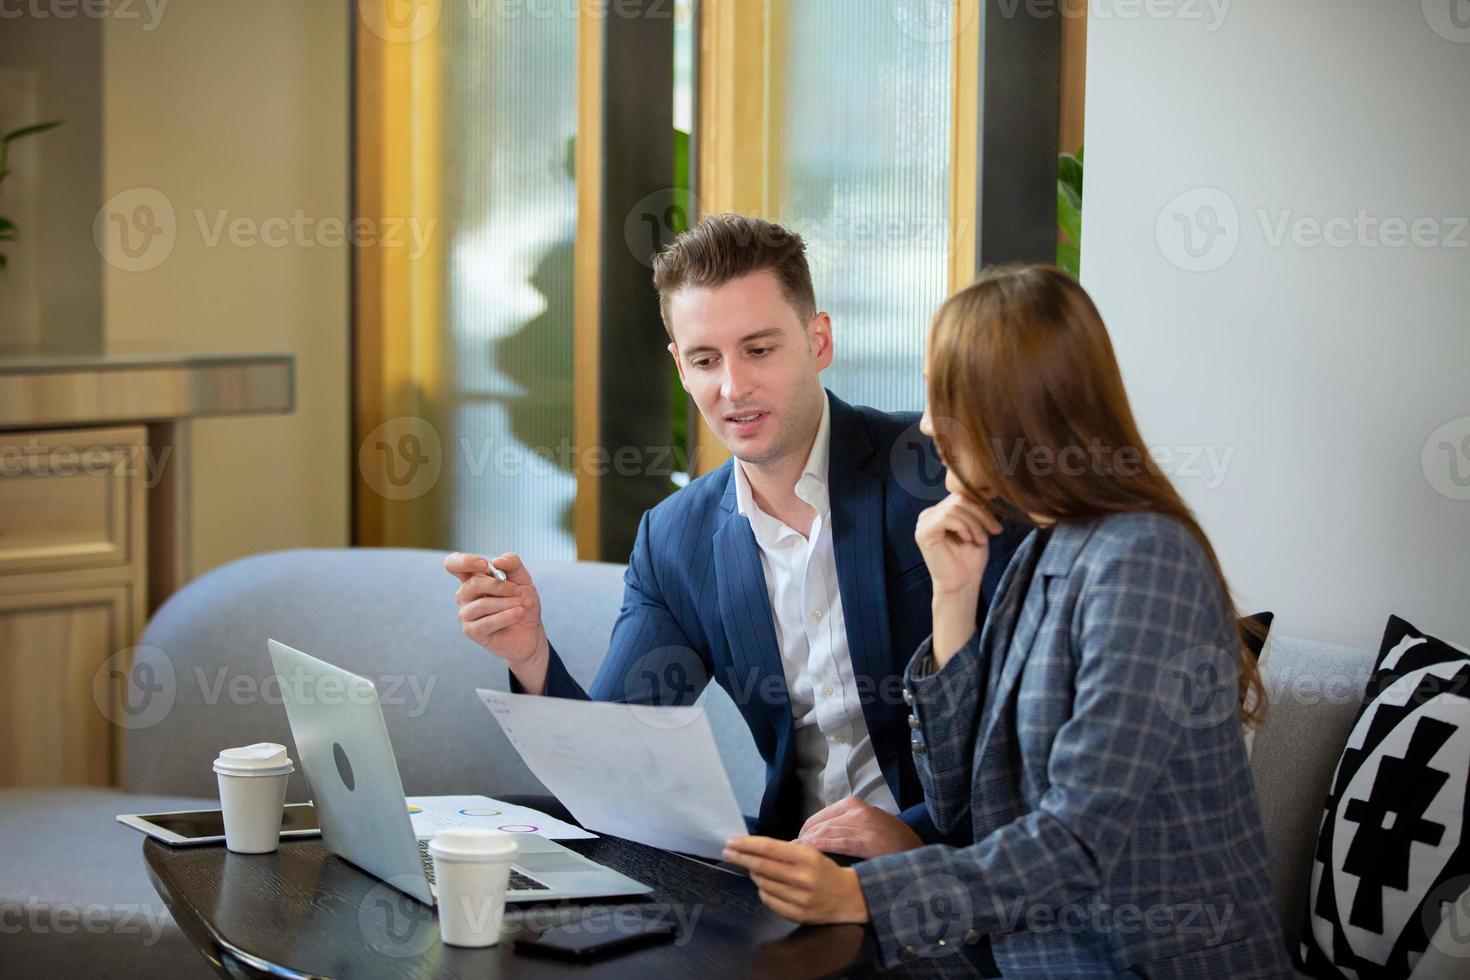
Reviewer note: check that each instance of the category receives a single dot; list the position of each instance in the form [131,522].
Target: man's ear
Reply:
[819,334]
[679,364]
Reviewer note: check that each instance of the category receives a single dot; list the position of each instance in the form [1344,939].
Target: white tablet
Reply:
[183,827]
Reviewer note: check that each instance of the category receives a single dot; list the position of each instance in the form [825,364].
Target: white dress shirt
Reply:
[834,754]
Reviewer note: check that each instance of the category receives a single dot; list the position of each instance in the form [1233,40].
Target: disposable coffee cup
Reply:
[252,794]
[471,872]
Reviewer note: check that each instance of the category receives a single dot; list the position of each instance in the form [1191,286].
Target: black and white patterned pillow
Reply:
[1254,630]
[1393,845]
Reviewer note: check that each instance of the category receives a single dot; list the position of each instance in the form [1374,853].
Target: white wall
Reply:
[240,110]
[1323,369]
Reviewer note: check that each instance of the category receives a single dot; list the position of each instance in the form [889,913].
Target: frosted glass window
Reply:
[863,174]
[510,101]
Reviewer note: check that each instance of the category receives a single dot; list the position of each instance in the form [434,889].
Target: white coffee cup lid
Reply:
[473,844]
[260,759]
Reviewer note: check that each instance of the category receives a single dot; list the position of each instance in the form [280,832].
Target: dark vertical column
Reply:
[1020,106]
[637,168]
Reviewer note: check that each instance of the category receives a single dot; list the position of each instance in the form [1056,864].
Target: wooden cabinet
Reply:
[95,519]
[73,597]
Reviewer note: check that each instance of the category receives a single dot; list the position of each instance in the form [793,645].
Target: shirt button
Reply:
[826,690]
[972,938]
[917,744]
[840,739]
[907,954]
[908,696]
[816,615]
[914,722]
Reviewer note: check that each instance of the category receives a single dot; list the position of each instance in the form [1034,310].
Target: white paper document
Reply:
[649,774]
[431,814]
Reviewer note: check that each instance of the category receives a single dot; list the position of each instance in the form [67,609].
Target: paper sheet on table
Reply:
[649,774]
[436,813]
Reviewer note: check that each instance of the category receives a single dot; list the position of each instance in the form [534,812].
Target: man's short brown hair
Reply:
[724,247]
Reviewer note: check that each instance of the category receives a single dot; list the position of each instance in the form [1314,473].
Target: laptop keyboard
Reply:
[518,881]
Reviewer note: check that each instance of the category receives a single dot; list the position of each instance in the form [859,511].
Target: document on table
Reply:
[431,814]
[646,773]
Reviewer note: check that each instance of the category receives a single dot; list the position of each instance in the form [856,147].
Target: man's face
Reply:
[751,364]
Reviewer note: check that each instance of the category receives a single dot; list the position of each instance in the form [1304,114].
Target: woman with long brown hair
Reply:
[1091,732]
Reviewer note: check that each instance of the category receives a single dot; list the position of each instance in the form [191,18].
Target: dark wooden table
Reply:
[303,912]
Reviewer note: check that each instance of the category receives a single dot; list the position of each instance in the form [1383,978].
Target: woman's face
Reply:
[958,443]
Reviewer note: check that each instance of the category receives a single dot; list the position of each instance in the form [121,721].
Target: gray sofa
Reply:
[74,881]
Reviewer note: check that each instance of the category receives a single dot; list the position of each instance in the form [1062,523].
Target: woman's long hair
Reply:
[1021,370]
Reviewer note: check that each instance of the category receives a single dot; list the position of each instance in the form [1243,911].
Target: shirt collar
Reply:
[810,487]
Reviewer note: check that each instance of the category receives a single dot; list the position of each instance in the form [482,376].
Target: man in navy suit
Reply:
[789,575]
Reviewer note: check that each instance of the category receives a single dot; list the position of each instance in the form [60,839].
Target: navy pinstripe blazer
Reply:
[695,606]
[1090,738]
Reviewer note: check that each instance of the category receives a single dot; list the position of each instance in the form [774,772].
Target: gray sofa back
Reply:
[1314,691]
[389,615]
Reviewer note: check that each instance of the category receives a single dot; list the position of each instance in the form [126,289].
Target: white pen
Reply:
[496,572]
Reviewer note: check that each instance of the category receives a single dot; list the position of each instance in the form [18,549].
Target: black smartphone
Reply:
[602,933]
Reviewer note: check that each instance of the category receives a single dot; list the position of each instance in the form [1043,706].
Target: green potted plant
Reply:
[8,231]
[1069,211]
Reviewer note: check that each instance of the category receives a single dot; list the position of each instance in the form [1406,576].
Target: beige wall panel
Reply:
[231,121]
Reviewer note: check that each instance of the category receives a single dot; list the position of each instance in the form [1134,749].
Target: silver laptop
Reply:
[348,761]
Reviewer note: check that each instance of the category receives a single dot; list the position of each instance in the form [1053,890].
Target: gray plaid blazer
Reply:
[1090,735]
